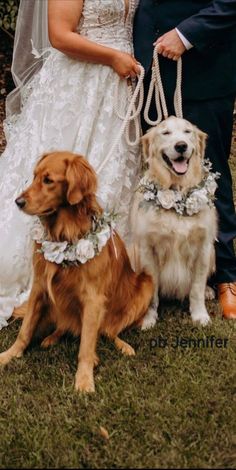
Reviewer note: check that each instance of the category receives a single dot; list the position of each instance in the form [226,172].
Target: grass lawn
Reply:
[164,408]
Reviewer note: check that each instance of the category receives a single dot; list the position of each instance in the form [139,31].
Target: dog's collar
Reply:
[190,203]
[83,250]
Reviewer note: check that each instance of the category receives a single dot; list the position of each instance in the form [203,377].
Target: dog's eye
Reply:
[166,133]
[187,131]
[47,180]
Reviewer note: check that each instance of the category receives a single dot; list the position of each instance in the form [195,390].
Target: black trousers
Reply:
[215,117]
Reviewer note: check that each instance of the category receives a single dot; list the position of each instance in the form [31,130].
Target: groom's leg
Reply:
[215,117]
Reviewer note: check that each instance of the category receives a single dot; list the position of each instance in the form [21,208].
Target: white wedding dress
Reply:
[69,105]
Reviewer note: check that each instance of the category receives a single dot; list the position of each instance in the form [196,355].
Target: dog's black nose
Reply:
[181,147]
[20,202]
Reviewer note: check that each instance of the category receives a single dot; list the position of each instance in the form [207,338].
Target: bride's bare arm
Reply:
[63,19]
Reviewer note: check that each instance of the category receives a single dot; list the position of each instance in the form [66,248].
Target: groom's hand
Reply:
[170,45]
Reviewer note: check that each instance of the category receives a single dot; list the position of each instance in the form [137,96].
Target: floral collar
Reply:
[190,203]
[83,250]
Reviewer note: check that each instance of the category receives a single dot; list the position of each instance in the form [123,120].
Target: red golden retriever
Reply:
[103,295]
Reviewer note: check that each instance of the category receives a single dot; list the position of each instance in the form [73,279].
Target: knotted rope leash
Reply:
[132,114]
[156,88]
[136,101]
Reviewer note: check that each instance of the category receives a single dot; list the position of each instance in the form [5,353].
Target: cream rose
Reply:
[84,251]
[167,198]
[54,251]
[196,202]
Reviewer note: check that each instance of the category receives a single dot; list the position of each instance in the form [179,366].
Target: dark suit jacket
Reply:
[209,69]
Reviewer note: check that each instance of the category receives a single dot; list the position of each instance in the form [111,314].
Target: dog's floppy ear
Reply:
[43,156]
[202,139]
[145,146]
[146,142]
[81,179]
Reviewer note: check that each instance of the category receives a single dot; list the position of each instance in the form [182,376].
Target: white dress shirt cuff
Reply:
[185,42]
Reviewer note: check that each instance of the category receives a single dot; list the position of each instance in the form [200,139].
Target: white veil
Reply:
[31,41]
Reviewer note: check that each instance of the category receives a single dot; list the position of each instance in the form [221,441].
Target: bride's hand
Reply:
[125,65]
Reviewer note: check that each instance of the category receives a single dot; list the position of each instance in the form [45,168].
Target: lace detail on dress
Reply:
[68,105]
[105,21]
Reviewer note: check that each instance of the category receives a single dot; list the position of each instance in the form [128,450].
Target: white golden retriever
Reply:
[176,248]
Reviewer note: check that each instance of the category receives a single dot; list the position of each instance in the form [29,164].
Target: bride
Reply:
[66,103]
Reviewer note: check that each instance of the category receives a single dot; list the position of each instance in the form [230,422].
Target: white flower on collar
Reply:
[102,237]
[54,251]
[167,198]
[84,250]
[196,199]
[211,185]
[149,196]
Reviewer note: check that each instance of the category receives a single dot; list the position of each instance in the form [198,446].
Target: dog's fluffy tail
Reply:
[136,294]
[144,295]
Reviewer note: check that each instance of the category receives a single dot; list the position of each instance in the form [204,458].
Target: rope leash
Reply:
[178,91]
[136,101]
[132,115]
[156,88]
[137,108]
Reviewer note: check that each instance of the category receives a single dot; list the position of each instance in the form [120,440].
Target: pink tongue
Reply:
[180,167]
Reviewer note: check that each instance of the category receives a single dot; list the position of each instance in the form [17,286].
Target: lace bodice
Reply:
[108,22]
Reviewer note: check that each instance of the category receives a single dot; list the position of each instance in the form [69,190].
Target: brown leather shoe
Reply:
[227,299]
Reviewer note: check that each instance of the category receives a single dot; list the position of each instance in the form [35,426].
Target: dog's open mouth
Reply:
[179,165]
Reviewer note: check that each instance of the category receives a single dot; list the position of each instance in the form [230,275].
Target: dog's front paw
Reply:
[150,319]
[127,350]
[52,339]
[124,347]
[84,382]
[201,317]
[5,358]
[49,341]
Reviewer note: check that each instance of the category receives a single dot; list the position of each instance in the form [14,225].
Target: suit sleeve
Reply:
[210,24]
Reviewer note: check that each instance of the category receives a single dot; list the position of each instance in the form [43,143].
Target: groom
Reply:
[203,32]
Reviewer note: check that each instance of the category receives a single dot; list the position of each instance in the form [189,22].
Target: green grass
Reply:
[163,408]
